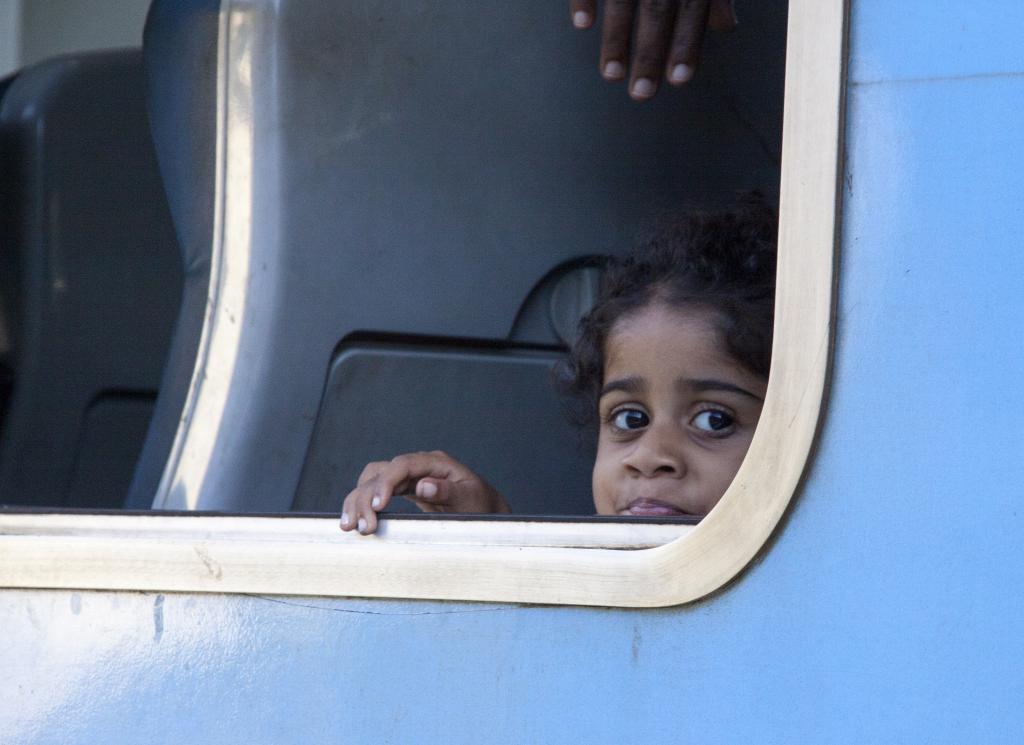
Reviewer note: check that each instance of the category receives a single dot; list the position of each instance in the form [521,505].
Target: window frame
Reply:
[581,563]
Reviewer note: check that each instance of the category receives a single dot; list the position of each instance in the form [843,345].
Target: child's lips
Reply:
[653,508]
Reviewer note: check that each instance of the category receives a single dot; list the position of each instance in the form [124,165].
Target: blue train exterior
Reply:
[885,608]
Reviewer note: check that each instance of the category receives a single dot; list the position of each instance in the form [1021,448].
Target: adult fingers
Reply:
[684,55]
[654,23]
[722,16]
[616,30]
[582,12]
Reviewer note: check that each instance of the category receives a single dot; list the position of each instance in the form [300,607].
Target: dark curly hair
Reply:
[722,261]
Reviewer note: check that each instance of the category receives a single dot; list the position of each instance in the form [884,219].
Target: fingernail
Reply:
[581,19]
[644,88]
[428,489]
[362,525]
[681,73]
[375,502]
[614,70]
[345,518]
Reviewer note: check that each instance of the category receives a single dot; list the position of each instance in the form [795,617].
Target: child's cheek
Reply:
[602,482]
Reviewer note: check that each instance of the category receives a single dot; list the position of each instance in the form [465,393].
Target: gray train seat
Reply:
[180,53]
[416,193]
[90,279]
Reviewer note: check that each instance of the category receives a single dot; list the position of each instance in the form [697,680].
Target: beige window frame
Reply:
[587,563]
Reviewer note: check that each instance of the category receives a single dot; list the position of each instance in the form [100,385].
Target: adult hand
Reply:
[653,38]
[434,481]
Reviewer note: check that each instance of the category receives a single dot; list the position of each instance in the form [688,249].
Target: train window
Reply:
[384,182]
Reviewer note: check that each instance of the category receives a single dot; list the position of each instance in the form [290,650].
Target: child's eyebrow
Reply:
[632,385]
[714,385]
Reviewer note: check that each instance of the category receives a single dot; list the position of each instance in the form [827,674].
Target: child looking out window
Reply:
[670,369]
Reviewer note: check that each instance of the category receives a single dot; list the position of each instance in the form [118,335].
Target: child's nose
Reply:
[657,453]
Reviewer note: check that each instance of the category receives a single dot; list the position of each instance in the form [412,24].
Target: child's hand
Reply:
[666,38]
[435,481]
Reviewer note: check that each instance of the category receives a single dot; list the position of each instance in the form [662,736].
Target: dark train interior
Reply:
[434,189]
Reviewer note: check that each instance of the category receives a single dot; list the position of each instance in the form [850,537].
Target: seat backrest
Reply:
[91,279]
[180,50]
[405,188]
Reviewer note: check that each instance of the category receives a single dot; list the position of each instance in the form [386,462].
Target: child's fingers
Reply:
[400,475]
[381,480]
[358,511]
[350,510]
[366,523]
[469,494]
[431,495]
[371,471]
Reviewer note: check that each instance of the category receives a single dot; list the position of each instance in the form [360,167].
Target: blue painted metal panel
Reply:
[887,610]
[935,39]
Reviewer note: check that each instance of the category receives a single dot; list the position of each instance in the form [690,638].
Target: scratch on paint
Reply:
[33,619]
[158,618]
[637,639]
[938,78]
[384,613]
[212,566]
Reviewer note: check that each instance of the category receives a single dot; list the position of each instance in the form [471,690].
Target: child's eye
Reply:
[713,421]
[627,419]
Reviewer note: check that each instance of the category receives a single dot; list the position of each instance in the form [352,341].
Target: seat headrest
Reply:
[180,55]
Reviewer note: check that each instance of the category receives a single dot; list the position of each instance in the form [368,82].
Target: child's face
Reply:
[677,415]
